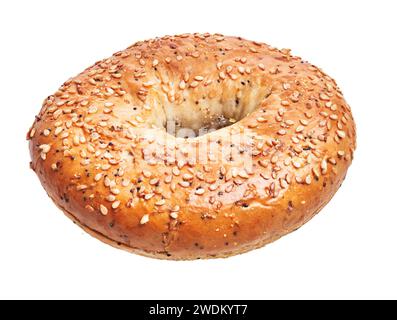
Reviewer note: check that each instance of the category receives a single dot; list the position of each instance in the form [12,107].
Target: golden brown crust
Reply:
[101,152]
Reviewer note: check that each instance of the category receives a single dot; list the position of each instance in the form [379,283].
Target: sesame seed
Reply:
[148,84]
[316,172]
[180,164]
[324,97]
[76,140]
[243,174]
[187,177]
[148,196]
[332,161]
[194,84]
[110,198]
[161,202]
[32,132]
[341,153]
[341,134]
[45,148]
[174,215]
[89,208]
[144,219]
[295,96]
[58,131]
[176,171]
[182,85]
[57,114]
[296,164]
[200,191]
[284,103]
[184,184]
[116,204]
[103,209]
[154,181]
[81,187]
[263,163]
[283,183]
[281,132]
[115,191]
[146,173]
[324,166]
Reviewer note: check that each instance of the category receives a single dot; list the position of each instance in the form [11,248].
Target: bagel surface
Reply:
[193,146]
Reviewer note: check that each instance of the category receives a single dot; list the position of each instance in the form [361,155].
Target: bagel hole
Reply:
[181,129]
[197,117]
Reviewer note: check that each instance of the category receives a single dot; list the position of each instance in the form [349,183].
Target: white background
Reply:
[348,251]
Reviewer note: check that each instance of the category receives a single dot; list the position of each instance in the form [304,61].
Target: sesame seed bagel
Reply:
[193,146]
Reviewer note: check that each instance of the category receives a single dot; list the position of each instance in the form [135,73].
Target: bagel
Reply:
[193,146]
